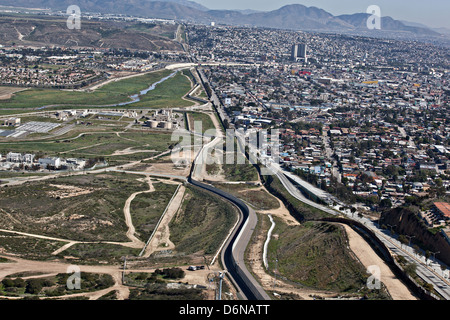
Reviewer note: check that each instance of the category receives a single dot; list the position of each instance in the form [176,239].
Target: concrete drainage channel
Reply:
[233,255]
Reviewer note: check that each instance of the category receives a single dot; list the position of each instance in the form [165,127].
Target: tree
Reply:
[416,249]
[428,286]
[410,269]
[403,239]
[385,203]
[427,254]
[34,286]
[7,283]
[19,283]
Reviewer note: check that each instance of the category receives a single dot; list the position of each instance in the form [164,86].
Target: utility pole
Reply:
[410,237]
[221,275]
[124,267]
[391,227]
[434,254]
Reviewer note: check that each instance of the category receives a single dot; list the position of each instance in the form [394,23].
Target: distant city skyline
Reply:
[432,13]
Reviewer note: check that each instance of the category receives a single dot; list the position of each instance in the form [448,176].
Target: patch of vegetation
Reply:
[112,295]
[161,292]
[94,253]
[94,214]
[298,209]
[4,260]
[28,247]
[240,172]
[141,279]
[202,222]
[54,286]
[315,255]
[147,208]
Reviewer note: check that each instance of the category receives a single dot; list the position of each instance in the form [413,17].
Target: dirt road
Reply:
[162,234]
[126,210]
[368,257]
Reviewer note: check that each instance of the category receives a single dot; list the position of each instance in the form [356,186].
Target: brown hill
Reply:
[39,31]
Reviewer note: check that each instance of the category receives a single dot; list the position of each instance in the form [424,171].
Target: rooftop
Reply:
[444,208]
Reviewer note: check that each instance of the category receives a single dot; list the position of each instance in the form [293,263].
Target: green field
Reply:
[203,118]
[168,93]
[95,145]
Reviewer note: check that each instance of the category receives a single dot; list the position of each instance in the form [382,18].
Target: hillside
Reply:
[53,31]
[293,17]
[408,223]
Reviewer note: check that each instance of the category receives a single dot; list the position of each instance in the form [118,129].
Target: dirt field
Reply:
[368,258]
[199,277]
[7,92]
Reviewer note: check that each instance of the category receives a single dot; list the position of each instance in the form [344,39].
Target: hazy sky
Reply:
[433,13]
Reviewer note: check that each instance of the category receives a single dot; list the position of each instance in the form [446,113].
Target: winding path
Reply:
[129,222]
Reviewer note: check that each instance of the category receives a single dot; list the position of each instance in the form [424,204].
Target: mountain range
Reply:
[291,17]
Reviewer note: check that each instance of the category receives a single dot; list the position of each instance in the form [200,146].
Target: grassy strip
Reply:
[168,94]
[297,208]
[258,199]
[203,118]
[202,222]
[147,208]
[94,253]
[111,93]
[92,145]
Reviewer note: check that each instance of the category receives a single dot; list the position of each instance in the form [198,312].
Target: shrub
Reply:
[34,286]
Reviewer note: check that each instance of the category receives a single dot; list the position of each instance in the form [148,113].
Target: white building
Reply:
[53,162]
[14,157]
[12,122]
